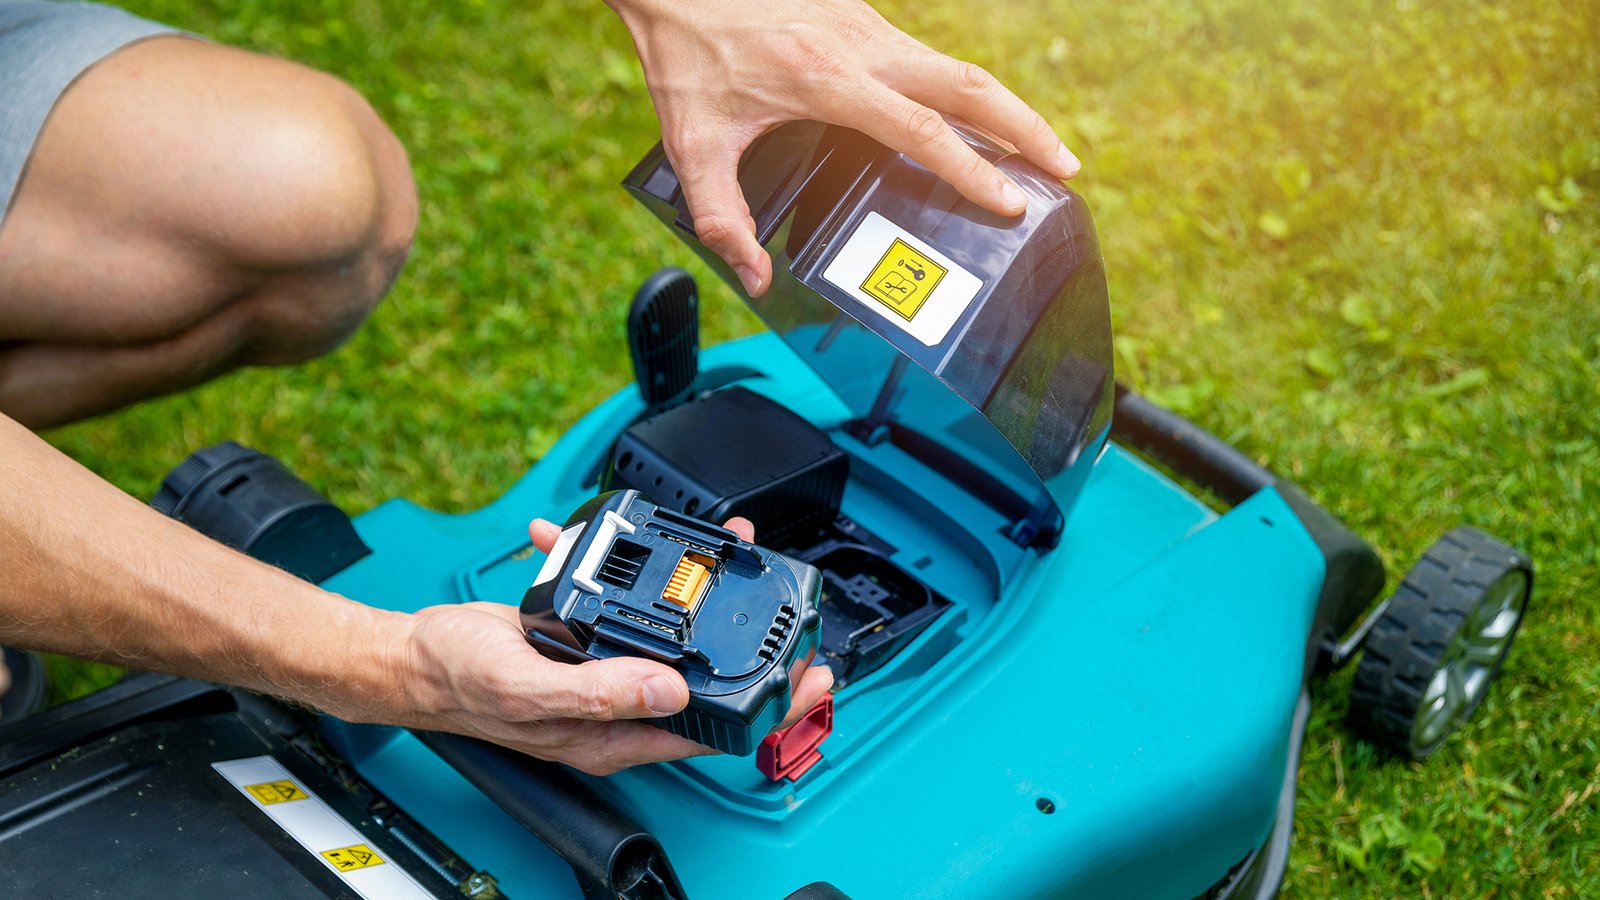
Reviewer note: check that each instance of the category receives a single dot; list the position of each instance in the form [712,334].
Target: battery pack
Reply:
[738,621]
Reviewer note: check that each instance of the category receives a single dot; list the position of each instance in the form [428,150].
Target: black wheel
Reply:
[29,683]
[1430,658]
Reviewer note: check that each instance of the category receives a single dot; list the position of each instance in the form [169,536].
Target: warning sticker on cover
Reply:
[326,835]
[902,279]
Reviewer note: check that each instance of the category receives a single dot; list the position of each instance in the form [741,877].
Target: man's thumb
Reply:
[628,689]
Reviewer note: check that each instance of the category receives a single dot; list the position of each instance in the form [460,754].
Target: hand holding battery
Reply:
[730,691]
[469,670]
[724,72]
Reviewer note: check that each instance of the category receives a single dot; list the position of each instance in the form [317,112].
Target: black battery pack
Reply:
[739,622]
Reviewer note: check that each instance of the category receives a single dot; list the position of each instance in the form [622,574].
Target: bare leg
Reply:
[189,209]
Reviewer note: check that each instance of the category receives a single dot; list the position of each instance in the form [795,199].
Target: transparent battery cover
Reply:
[979,344]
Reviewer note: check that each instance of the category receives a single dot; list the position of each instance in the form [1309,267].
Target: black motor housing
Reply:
[735,453]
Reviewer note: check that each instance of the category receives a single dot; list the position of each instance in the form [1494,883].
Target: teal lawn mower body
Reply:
[1060,670]
[1117,715]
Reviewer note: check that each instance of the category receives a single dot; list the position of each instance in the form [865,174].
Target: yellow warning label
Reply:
[349,859]
[903,279]
[269,792]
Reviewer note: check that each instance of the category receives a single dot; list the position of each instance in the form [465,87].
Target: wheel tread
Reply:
[1407,644]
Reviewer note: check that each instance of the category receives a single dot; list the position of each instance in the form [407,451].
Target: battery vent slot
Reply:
[624,563]
[778,634]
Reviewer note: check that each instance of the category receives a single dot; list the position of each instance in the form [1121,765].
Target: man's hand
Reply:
[91,572]
[469,670]
[724,72]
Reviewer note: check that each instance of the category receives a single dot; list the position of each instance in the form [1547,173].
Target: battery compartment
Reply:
[735,452]
[871,609]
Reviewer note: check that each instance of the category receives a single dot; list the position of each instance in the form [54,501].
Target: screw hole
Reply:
[623,460]
[692,505]
[1045,805]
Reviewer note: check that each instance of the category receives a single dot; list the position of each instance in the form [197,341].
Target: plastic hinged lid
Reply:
[879,264]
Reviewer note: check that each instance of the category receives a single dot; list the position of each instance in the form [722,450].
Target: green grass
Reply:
[1357,239]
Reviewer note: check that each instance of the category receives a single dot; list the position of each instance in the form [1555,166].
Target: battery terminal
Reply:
[688,582]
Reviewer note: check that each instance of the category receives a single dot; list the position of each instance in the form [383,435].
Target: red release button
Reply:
[792,752]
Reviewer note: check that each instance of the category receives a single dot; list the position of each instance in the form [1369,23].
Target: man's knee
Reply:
[335,230]
[204,182]
[189,208]
[284,190]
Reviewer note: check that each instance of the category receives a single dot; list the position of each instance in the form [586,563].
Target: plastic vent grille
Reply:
[624,563]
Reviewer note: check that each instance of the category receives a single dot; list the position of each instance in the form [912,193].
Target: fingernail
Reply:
[750,280]
[1012,195]
[661,695]
[1069,163]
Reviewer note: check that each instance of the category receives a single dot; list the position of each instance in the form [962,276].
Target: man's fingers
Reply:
[721,217]
[604,690]
[543,533]
[970,92]
[922,134]
[816,681]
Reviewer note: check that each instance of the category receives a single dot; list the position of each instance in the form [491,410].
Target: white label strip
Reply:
[323,832]
[902,280]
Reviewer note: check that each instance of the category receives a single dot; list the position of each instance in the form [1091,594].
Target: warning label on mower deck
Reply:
[326,835]
[902,279]
[355,856]
[275,792]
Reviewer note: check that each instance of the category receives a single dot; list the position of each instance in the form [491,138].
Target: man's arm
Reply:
[88,571]
[724,72]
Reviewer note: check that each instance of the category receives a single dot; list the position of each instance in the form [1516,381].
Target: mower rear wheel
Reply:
[1430,659]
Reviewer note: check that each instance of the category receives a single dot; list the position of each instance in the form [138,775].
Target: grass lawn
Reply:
[1358,239]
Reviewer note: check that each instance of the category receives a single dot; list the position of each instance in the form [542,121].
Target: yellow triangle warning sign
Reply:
[269,792]
[356,856]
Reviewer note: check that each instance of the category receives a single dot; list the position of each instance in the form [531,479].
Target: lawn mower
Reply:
[1071,632]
